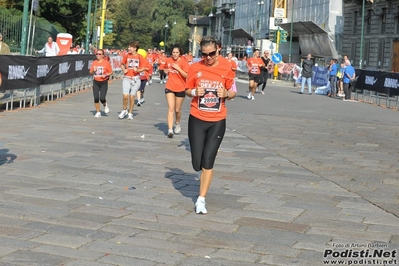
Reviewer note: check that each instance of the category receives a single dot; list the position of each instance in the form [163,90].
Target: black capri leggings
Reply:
[142,85]
[205,139]
[100,89]
[162,74]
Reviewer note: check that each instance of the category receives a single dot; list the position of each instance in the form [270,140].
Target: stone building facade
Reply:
[380,34]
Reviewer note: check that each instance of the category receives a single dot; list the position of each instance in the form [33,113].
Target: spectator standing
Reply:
[333,69]
[4,49]
[50,48]
[349,77]
[307,66]
[72,50]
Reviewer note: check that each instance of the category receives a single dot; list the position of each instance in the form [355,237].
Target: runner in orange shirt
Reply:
[102,70]
[151,60]
[209,83]
[189,57]
[144,77]
[161,67]
[132,64]
[177,68]
[254,65]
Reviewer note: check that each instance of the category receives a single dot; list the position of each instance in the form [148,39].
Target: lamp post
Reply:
[292,28]
[193,41]
[362,36]
[260,4]
[174,32]
[211,15]
[231,11]
[164,40]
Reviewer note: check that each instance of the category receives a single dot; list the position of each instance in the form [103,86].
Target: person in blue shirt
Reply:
[349,76]
[333,77]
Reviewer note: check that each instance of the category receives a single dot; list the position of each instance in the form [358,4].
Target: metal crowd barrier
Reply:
[33,96]
[377,98]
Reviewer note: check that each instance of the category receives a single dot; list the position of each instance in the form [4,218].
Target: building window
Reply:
[353,53]
[380,55]
[383,20]
[368,22]
[366,54]
[354,22]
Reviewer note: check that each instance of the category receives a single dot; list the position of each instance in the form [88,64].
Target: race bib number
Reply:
[210,102]
[132,63]
[254,70]
[99,71]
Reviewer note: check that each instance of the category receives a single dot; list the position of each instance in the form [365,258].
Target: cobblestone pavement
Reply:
[297,176]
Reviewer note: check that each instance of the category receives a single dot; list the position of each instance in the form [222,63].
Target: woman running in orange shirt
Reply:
[102,70]
[209,82]
[177,70]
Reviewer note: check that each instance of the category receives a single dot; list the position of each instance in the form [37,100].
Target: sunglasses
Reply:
[99,54]
[211,54]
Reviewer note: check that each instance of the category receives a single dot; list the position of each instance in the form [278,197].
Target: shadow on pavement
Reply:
[6,157]
[163,127]
[184,183]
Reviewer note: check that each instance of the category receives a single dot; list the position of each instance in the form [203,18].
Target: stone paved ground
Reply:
[296,174]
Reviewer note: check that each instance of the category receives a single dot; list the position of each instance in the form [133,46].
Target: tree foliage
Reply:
[141,20]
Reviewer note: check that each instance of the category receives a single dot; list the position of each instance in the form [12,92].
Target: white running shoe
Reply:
[147,83]
[139,103]
[262,92]
[177,129]
[252,98]
[249,96]
[130,116]
[200,207]
[106,109]
[123,114]
[170,134]
[98,114]
[150,82]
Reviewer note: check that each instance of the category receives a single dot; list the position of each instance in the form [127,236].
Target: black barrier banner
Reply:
[20,72]
[17,72]
[381,82]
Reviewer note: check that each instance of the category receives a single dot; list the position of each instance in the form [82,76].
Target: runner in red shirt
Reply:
[209,83]
[177,68]
[102,70]
[254,65]
[151,60]
[132,64]
[189,57]
[162,66]
[144,77]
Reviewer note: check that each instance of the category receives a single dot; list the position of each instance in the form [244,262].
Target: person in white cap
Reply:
[4,49]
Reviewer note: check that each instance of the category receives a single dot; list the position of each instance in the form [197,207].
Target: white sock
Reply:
[201,198]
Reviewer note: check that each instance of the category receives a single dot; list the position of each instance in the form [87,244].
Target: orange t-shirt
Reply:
[150,58]
[189,58]
[209,107]
[101,68]
[162,62]
[131,61]
[254,65]
[176,82]
[145,75]
[233,66]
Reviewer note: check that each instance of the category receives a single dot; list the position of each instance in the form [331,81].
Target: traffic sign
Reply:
[277,58]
